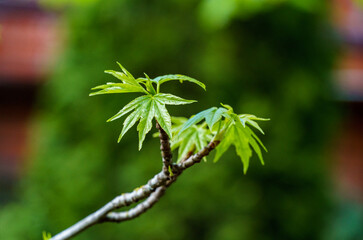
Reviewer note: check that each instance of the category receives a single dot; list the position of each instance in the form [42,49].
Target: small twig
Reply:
[119,201]
[165,149]
[138,210]
[159,180]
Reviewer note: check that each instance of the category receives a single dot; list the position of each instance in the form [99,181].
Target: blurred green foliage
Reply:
[273,63]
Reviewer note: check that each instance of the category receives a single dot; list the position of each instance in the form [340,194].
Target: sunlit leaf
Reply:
[170,99]
[214,116]
[163,117]
[123,77]
[197,118]
[131,120]
[145,108]
[145,123]
[241,142]
[129,107]
[248,118]
[116,88]
[149,86]
[125,71]
[224,145]
[171,77]
[232,130]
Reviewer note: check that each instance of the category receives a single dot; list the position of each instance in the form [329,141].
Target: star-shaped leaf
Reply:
[147,107]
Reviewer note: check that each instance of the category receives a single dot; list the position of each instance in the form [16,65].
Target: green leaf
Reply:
[214,116]
[163,117]
[170,99]
[171,77]
[232,130]
[147,107]
[258,140]
[131,120]
[123,77]
[248,118]
[184,145]
[125,71]
[228,107]
[129,107]
[242,148]
[145,123]
[116,88]
[192,140]
[254,144]
[197,118]
[224,145]
[149,85]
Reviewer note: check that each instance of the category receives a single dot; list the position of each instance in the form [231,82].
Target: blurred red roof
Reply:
[29,38]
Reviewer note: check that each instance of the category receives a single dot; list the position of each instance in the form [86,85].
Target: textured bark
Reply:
[118,202]
[139,209]
[165,149]
[153,190]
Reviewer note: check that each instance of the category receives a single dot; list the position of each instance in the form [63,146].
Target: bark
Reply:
[165,149]
[153,191]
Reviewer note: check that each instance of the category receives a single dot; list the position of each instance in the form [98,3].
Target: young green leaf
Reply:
[190,141]
[129,107]
[123,77]
[214,116]
[197,118]
[145,108]
[225,144]
[242,137]
[131,120]
[171,77]
[117,88]
[163,117]
[232,130]
[248,118]
[241,144]
[125,71]
[211,116]
[170,99]
[145,123]
[149,85]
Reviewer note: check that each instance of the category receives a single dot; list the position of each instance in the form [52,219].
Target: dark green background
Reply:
[272,61]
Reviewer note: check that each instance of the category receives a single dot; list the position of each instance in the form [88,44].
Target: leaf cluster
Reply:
[229,128]
[147,107]
[187,135]
[190,140]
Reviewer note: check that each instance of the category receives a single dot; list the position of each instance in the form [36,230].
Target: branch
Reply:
[165,149]
[159,180]
[120,201]
[138,210]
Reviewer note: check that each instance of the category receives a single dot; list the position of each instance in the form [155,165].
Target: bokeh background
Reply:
[298,62]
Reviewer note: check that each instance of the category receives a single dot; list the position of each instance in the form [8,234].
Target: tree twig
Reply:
[165,149]
[139,209]
[159,180]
